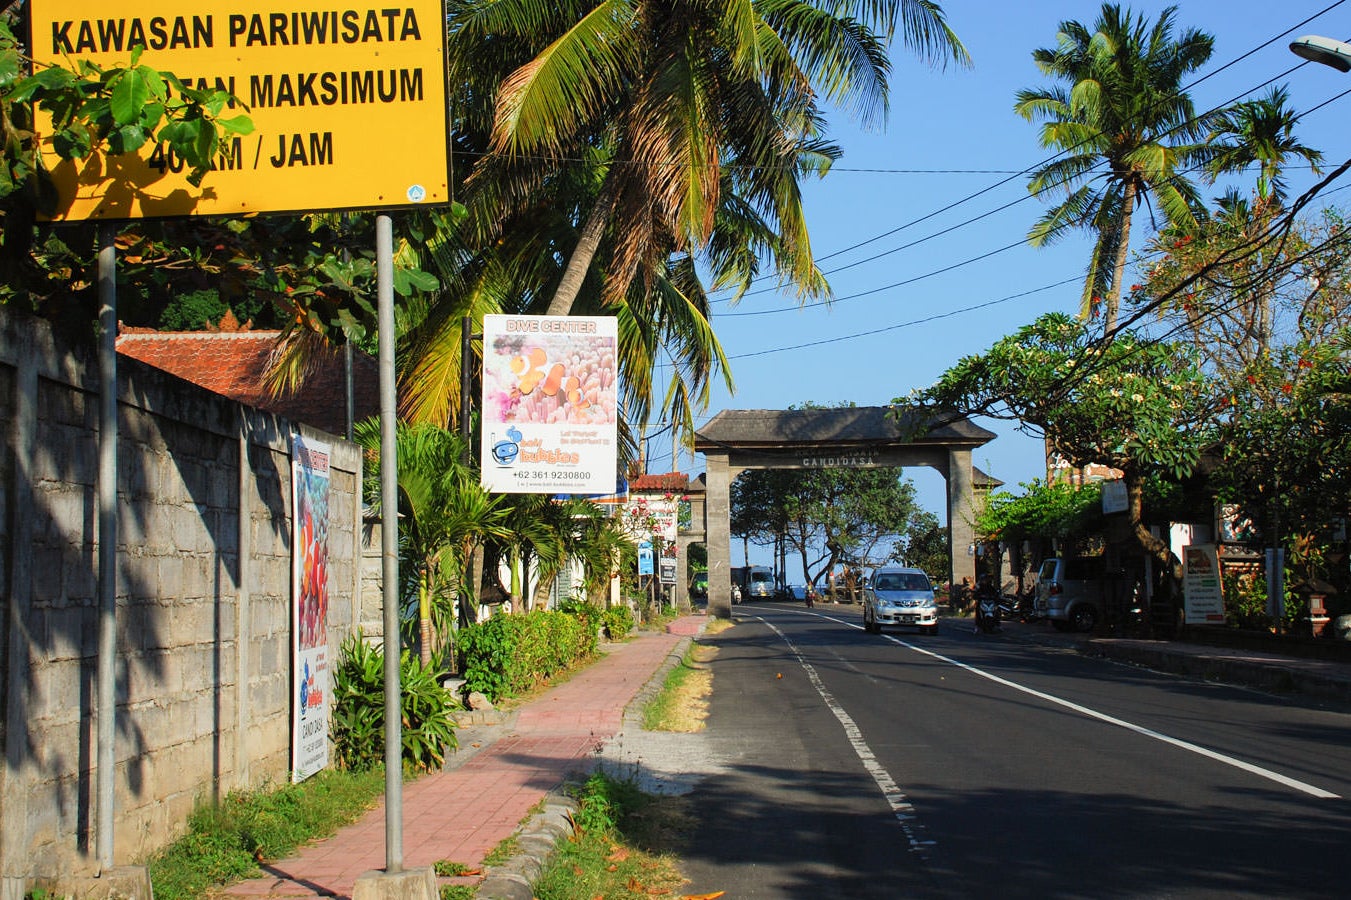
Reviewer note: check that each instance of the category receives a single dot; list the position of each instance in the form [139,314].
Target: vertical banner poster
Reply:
[666,516]
[652,521]
[1201,585]
[309,590]
[549,404]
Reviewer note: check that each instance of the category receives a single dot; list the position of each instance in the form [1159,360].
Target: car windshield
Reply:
[901,581]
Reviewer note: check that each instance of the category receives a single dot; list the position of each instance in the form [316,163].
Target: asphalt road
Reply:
[962,765]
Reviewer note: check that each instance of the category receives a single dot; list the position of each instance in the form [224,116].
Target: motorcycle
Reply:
[1022,607]
[1008,606]
[987,613]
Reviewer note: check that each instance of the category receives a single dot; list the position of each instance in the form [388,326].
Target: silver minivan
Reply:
[1070,592]
[895,595]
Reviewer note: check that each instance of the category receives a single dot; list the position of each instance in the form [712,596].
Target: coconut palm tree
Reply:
[1260,131]
[444,512]
[669,320]
[658,98]
[1125,130]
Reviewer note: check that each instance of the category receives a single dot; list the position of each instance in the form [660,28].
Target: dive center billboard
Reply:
[549,404]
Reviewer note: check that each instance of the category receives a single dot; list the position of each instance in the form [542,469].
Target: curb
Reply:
[539,836]
[1281,676]
[1275,676]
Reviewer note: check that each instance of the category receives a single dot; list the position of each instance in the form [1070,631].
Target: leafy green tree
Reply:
[92,110]
[607,552]
[1042,512]
[924,545]
[1124,130]
[1141,407]
[1285,447]
[827,516]
[1266,303]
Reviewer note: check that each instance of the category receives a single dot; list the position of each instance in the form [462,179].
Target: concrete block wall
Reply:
[203,601]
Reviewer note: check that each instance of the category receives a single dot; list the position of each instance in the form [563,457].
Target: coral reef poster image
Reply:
[549,404]
[309,592]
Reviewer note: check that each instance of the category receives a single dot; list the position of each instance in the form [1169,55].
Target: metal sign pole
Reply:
[107,491]
[389,533]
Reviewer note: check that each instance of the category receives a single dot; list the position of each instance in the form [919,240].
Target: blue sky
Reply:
[942,177]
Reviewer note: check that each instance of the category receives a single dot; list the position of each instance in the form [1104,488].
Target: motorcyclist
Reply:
[985,590]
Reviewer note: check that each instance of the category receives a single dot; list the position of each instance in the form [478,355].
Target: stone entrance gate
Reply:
[864,437]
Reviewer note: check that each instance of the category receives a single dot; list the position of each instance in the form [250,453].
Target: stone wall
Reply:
[203,601]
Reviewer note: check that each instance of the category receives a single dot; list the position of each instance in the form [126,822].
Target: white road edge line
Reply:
[1248,767]
[891,792]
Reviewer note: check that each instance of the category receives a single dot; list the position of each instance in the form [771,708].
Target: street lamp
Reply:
[1323,50]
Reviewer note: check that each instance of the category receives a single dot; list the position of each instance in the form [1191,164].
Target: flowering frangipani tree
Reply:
[1141,407]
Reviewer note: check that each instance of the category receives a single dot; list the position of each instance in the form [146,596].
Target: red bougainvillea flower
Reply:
[1287,388]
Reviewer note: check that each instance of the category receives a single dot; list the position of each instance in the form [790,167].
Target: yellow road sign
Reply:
[348,104]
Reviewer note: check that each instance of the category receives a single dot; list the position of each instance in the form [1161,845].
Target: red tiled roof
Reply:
[232,364]
[671,481]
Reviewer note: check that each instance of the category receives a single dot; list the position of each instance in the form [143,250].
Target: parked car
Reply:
[699,586]
[1070,592]
[895,595]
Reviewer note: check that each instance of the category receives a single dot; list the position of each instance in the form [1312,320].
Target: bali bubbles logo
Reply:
[505,451]
[306,685]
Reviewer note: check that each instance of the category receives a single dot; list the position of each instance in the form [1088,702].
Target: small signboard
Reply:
[1114,498]
[1201,587]
[348,104]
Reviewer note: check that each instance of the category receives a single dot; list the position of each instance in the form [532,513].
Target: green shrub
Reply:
[618,621]
[591,615]
[358,723]
[511,653]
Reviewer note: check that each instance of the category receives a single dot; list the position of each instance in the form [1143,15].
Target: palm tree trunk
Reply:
[585,251]
[424,615]
[540,595]
[1113,299]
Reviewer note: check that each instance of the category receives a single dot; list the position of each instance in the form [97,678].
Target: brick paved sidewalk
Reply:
[463,813]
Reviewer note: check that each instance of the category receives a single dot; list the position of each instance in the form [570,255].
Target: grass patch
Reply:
[621,847]
[449,869]
[225,842]
[682,703]
[457,892]
[503,852]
